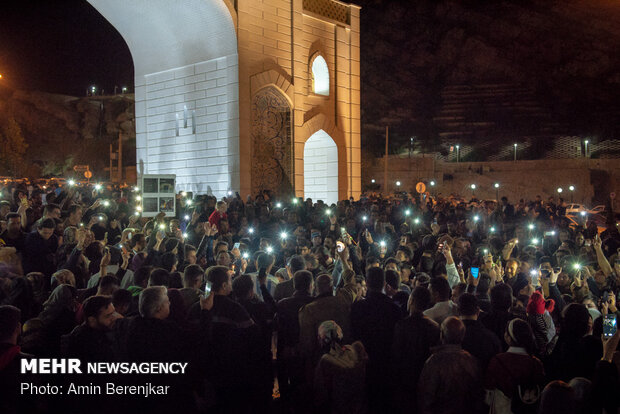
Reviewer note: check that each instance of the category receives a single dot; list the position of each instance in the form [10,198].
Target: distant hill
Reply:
[490,72]
[62,131]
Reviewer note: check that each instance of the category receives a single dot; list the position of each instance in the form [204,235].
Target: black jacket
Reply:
[480,342]
[39,255]
[414,337]
[88,344]
[288,319]
[372,322]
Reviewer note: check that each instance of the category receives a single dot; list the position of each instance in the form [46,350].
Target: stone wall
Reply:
[593,179]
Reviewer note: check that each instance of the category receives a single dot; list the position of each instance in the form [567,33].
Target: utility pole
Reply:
[120,157]
[385,167]
[111,163]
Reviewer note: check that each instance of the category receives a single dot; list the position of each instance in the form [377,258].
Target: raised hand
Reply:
[105,259]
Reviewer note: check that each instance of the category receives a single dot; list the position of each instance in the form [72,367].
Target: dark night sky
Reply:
[64,46]
[61,46]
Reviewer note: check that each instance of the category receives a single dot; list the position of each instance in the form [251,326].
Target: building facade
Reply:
[246,95]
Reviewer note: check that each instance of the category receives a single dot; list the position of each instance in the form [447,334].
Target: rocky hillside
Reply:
[474,71]
[62,131]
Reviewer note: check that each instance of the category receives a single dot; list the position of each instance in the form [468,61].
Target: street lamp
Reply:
[560,190]
[457,152]
[496,185]
[473,189]
[373,181]
[572,189]
[515,145]
[586,142]
[397,183]
[432,183]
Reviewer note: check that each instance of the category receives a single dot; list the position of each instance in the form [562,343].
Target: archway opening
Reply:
[321,168]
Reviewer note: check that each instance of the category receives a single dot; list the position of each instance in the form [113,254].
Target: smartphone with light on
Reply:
[475,271]
[339,246]
[610,325]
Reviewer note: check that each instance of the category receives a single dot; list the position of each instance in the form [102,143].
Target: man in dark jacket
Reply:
[262,313]
[451,381]
[286,289]
[499,316]
[372,323]
[414,337]
[89,341]
[479,341]
[40,249]
[13,236]
[290,364]
[230,339]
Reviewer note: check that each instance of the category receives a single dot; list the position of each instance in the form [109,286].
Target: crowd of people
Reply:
[405,303]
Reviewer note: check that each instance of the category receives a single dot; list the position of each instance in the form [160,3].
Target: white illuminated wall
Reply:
[186,63]
[206,161]
[321,168]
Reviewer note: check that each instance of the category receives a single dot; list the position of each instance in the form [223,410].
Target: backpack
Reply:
[526,395]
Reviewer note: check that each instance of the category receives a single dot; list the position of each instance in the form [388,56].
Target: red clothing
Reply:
[215,218]
[507,370]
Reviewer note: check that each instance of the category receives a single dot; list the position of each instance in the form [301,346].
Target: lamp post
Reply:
[572,190]
[515,145]
[496,185]
[473,189]
[560,190]
[457,152]
[586,142]
[432,184]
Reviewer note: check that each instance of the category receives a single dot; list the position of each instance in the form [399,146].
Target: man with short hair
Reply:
[290,367]
[372,322]
[13,236]
[479,341]
[5,208]
[286,289]
[414,337]
[40,249]
[440,293]
[75,216]
[193,279]
[89,341]
[230,339]
[510,271]
[451,380]
[326,306]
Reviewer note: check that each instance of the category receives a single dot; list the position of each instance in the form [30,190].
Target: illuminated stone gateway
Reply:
[229,92]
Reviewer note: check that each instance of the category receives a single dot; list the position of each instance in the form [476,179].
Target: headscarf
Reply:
[62,298]
[330,334]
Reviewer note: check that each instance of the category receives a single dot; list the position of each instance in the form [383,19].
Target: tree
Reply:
[12,147]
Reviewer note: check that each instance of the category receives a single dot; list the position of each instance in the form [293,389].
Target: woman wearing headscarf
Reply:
[341,372]
[58,315]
